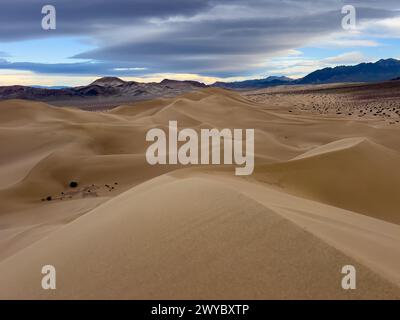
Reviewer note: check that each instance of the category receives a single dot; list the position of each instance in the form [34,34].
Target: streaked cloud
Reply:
[301,66]
[210,38]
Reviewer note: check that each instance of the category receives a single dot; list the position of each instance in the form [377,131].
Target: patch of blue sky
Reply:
[48,50]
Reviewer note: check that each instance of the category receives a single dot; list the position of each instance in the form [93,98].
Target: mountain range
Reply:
[106,91]
[382,70]
[257,83]
[109,91]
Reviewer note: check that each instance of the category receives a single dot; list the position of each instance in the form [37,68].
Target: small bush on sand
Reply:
[73,184]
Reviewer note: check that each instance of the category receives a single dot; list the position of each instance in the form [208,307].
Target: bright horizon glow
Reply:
[27,78]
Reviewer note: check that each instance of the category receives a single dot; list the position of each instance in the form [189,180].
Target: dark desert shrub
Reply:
[73,184]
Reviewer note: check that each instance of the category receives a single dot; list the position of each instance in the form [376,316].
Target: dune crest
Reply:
[354,174]
[324,194]
[332,147]
[228,246]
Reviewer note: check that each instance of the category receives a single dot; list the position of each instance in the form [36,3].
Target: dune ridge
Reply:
[324,194]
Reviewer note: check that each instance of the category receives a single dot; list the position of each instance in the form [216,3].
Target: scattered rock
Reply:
[73,184]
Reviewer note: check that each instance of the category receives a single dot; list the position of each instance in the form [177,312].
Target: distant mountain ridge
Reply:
[257,83]
[382,70]
[50,87]
[116,90]
[106,88]
[364,72]
[109,82]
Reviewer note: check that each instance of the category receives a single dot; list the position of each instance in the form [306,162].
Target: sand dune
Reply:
[216,243]
[354,173]
[324,194]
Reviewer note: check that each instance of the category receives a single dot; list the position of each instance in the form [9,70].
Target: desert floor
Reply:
[325,193]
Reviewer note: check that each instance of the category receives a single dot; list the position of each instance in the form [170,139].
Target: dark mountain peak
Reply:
[183,82]
[168,81]
[110,89]
[108,82]
[388,62]
[382,70]
[280,78]
[254,84]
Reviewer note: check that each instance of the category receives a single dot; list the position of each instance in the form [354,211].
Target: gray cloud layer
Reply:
[212,37]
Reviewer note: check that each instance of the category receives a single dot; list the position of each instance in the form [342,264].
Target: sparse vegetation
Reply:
[73,184]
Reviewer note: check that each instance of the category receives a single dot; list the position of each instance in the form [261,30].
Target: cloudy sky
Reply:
[206,40]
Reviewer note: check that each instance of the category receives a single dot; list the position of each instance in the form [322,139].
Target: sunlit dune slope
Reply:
[199,239]
[355,174]
[324,194]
